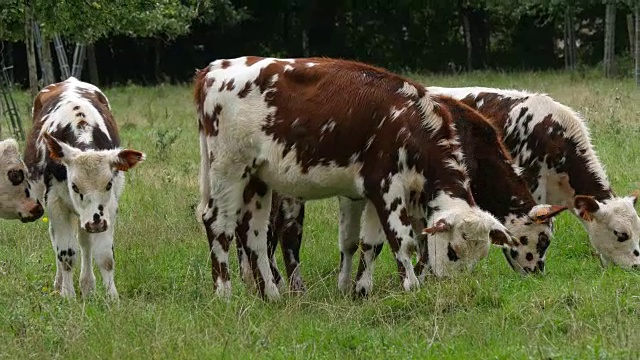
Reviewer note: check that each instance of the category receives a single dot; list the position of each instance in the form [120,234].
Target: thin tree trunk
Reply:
[630,30]
[609,37]
[93,65]
[305,42]
[637,43]
[31,51]
[47,62]
[157,47]
[570,51]
[467,40]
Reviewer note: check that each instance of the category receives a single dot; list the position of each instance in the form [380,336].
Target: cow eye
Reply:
[109,185]
[622,236]
[75,189]
[16,176]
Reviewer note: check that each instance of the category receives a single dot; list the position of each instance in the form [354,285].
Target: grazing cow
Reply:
[495,185]
[551,143]
[73,157]
[316,128]
[17,201]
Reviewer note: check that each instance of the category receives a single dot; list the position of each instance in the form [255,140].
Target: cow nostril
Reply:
[541,266]
[636,266]
[96,218]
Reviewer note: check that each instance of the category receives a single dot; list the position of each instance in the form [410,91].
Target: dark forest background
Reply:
[148,42]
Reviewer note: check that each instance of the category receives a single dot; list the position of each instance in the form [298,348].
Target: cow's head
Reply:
[17,201]
[458,238]
[92,178]
[613,226]
[533,232]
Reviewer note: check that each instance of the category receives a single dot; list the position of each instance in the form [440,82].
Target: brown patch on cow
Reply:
[127,159]
[82,124]
[252,60]
[225,64]
[245,90]
[107,264]
[494,183]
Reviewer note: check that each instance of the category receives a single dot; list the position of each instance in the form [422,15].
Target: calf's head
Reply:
[459,238]
[613,226]
[92,179]
[533,234]
[17,201]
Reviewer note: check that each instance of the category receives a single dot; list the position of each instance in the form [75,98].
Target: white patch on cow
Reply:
[395,112]
[327,127]
[382,122]
[288,67]
[408,90]
[370,141]
[479,103]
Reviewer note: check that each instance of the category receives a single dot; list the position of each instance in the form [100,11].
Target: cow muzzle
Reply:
[95,226]
[34,214]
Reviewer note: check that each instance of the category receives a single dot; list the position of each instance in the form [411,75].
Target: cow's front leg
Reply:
[396,224]
[87,278]
[105,258]
[62,229]
[252,233]
[348,235]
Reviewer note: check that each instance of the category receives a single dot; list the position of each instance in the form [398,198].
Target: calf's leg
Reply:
[62,230]
[349,227]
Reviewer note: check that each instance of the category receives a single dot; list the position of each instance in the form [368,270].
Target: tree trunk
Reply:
[305,43]
[47,63]
[476,36]
[637,43]
[93,65]
[630,30]
[570,51]
[467,41]
[609,37]
[31,51]
[6,59]
[157,47]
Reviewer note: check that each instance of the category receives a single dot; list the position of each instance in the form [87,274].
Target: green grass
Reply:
[167,308]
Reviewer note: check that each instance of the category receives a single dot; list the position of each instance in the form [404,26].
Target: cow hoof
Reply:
[271,292]
[223,290]
[410,283]
[296,285]
[344,284]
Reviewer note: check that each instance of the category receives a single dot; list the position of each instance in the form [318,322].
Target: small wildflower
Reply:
[45,219]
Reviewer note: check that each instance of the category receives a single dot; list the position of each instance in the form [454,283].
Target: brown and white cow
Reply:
[73,157]
[496,187]
[551,142]
[317,128]
[17,201]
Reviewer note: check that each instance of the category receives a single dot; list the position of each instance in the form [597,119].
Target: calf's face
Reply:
[17,201]
[533,234]
[461,238]
[92,179]
[614,228]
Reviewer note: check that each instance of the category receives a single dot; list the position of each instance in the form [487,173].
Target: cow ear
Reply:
[502,239]
[586,206]
[634,197]
[126,159]
[543,213]
[440,226]
[58,150]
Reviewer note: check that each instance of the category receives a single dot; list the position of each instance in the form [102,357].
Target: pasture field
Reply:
[167,308]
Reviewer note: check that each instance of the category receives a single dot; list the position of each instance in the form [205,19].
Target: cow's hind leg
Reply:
[219,218]
[349,227]
[252,233]
[371,243]
[62,229]
[291,223]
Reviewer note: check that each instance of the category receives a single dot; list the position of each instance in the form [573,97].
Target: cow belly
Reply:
[289,178]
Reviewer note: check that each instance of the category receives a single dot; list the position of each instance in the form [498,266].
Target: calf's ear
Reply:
[585,206]
[543,213]
[126,159]
[502,239]
[58,150]
[440,226]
